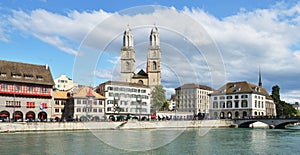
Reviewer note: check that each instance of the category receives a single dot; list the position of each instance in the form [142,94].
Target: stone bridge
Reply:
[277,123]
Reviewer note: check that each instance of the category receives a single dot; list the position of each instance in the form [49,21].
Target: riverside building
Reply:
[126,99]
[241,100]
[84,104]
[193,98]
[26,91]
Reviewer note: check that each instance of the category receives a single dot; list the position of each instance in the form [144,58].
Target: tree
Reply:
[165,106]
[275,94]
[282,108]
[158,97]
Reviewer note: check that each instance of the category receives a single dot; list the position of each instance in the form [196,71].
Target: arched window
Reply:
[127,66]
[128,41]
[140,82]
[236,114]
[154,65]
[229,115]
[244,113]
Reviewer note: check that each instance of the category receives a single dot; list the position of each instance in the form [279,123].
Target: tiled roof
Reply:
[241,87]
[84,91]
[25,73]
[118,83]
[60,94]
[192,85]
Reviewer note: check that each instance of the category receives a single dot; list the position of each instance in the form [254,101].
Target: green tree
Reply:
[165,106]
[158,97]
[282,108]
[275,94]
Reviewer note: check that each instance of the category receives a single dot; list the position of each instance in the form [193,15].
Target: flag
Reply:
[42,107]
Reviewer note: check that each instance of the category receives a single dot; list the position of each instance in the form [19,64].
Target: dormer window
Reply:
[2,74]
[39,77]
[28,76]
[16,75]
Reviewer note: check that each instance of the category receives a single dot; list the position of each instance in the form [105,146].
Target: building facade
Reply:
[240,100]
[193,98]
[123,98]
[63,83]
[152,76]
[26,92]
[61,99]
[84,104]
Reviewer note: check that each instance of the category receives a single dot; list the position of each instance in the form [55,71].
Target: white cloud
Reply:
[248,39]
[63,31]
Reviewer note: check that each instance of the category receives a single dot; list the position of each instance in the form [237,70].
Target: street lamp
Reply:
[139,100]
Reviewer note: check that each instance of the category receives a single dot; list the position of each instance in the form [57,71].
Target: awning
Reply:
[18,115]
[3,115]
[29,115]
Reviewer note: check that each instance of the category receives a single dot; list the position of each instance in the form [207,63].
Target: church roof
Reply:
[140,74]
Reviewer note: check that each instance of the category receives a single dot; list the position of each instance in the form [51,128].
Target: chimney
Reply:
[46,66]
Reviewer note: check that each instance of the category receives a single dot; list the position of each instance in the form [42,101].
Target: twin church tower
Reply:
[150,77]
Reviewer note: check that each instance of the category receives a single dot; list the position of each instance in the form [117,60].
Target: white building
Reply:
[124,98]
[172,102]
[63,83]
[241,99]
[193,98]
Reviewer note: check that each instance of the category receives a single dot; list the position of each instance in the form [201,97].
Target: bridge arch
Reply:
[246,124]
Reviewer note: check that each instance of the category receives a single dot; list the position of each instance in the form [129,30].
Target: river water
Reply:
[188,141]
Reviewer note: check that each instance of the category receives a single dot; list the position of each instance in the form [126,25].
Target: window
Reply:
[229,104]
[108,108]
[100,110]
[56,110]
[244,103]
[16,75]
[78,101]
[236,96]
[222,97]
[255,103]
[78,110]
[215,98]
[28,76]
[95,110]
[244,96]
[57,102]
[236,104]
[215,104]
[127,67]
[30,105]
[229,97]
[222,104]
[2,74]
[39,77]
[154,65]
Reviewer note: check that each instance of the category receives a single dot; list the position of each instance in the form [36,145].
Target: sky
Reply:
[207,42]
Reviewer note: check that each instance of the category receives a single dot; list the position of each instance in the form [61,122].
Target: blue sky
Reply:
[248,34]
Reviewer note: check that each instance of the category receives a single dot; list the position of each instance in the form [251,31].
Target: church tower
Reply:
[127,56]
[153,64]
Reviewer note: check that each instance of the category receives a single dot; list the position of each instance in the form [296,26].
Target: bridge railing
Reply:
[267,117]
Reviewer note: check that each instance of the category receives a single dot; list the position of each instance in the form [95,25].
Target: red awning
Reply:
[3,115]
[29,115]
[17,115]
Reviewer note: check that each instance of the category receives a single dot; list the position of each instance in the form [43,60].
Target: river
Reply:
[167,141]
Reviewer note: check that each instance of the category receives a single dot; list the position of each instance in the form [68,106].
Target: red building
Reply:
[25,91]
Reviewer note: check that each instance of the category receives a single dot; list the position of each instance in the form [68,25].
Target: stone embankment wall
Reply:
[131,124]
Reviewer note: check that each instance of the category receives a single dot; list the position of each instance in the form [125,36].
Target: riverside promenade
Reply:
[131,124]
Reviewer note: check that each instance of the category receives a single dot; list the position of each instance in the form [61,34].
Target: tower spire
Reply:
[259,77]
